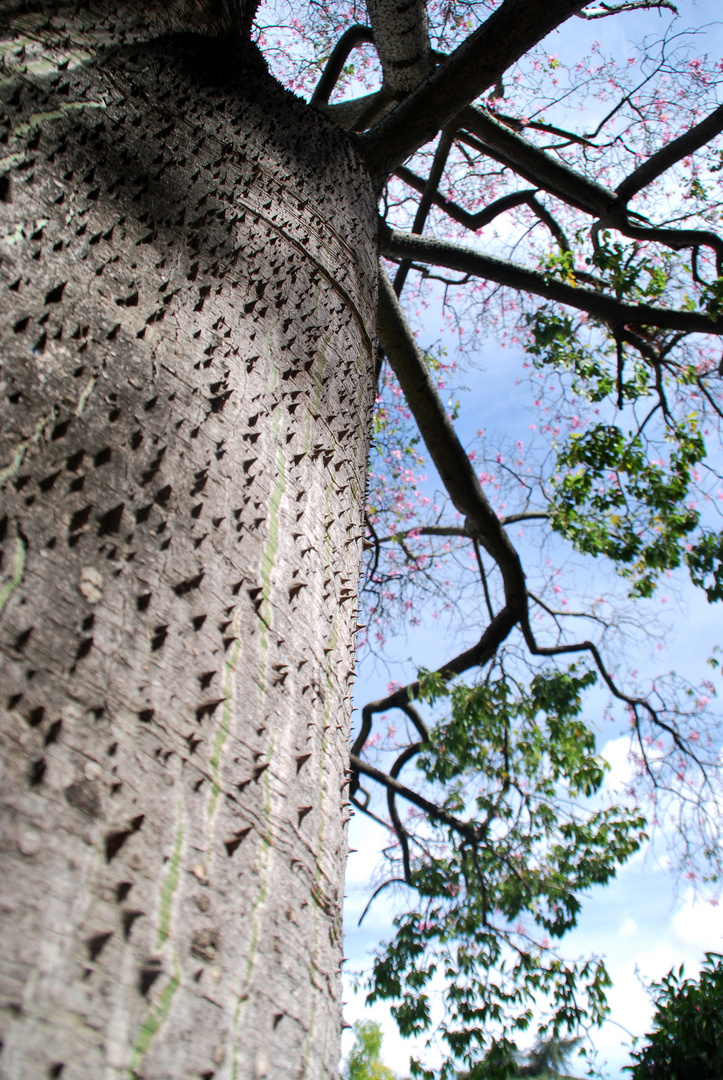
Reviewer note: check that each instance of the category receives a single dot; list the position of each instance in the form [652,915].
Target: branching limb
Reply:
[379,888]
[634,702]
[449,456]
[503,144]
[407,754]
[477,64]
[434,811]
[351,39]
[357,114]
[426,530]
[602,11]
[483,217]
[475,221]
[672,152]
[460,530]
[425,203]
[483,578]
[677,239]
[606,308]
[401,37]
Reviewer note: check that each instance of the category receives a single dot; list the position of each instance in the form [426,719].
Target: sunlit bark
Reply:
[188,301]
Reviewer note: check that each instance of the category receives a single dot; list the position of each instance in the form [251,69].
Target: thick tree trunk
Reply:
[188,301]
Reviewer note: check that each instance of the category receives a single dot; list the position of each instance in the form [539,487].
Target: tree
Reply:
[364,1062]
[546,1060]
[686,1040]
[189,260]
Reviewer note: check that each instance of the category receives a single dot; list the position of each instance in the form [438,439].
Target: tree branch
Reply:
[483,217]
[425,203]
[430,808]
[447,453]
[477,64]
[398,245]
[504,145]
[604,10]
[401,37]
[685,144]
[351,39]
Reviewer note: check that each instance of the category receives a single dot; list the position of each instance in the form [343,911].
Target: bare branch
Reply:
[427,530]
[604,10]
[425,203]
[483,217]
[411,796]
[669,154]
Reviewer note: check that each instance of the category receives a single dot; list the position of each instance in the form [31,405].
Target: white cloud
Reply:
[617,754]
[628,928]
[699,924]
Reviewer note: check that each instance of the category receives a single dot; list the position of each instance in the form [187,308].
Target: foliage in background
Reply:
[364,1061]
[687,1038]
[501,871]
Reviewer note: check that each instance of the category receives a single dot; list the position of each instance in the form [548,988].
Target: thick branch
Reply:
[477,64]
[604,10]
[669,154]
[447,453]
[506,146]
[353,37]
[401,37]
[678,239]
[398,245]
[501,143]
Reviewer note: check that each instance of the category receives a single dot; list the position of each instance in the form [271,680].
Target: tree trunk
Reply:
[188,304]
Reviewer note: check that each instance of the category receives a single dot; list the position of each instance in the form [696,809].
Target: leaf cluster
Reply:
[687,1039]
[508,761]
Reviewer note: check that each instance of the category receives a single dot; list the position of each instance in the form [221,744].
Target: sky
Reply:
[648,920]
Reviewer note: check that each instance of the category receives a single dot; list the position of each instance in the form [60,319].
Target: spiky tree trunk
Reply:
[188,298]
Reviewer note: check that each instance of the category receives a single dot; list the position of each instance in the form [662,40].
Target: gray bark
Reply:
[401,37]
[188,272]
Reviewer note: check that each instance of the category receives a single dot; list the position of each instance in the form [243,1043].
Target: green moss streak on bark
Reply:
[83,399]
[36,120]
[319,386]
[262,866]
[9,587]
[154,1020]
[22,448]
[268,558]
[171,883]
[320,837]
[223,727]
[10,160]
[321,357]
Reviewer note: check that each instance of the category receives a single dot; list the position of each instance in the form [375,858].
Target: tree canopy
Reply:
[565,206]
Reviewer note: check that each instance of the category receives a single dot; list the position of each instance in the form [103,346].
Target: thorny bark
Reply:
[188,278]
